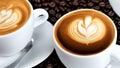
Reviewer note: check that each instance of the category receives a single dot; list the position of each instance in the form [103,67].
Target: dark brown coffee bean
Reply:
[62,3]
[43,0]
[118,41]
[117,18]
[36,5]
[119,23]
[111,13]
[68,0]
[47,8]
[102,4]
[58,15]
[90,4]
[49,66]
[45,4]
[37,1]
[68,10]
[53,19]
[81,4]
[83,1]
[70,3]
[84,5]
[61,8]
[96,1]
[52,12]
[108,6]
[106,11]
[96,7]
[67,5]
[57,9]
[39,5]
[75,3]
[52,4]
[57,1]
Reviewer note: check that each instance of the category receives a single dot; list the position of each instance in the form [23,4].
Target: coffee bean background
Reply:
[57,8]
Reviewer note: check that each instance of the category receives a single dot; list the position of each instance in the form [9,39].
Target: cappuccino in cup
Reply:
[13,15]
[17,23]
[84,32]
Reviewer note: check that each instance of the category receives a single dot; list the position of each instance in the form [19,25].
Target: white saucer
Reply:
[42,47]
[114,64]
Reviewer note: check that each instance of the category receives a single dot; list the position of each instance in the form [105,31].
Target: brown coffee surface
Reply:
[85,32]
[13,15]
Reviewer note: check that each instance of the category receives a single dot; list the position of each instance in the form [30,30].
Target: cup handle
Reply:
[40,16]
[115,52]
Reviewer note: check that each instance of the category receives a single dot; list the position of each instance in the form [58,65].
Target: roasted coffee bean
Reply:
[52,4]
[111,13]
[96,7]
[68,0]
[37,1]
[102,4]
[75,3]
[45,4]
[83,1]
[84,5]
[62,3]
[57,1]
[118,42]
[119,23]
[53,19]
[39,5]
[117,18]
[47,9]
[61,8]
[106,11]
[57,9]
[49,66]
[96,1]
[81,4]
[58,15]
[108,6]
[67,5]
[52,12]
[36,5]
[68,10]
[90,4]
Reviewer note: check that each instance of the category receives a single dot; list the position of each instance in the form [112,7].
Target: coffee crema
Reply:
[13,15]
[85,32]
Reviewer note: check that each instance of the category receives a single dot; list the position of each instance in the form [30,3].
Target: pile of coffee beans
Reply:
[57,8]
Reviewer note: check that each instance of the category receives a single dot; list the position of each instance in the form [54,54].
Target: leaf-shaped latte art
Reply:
[87,30]
[9,18]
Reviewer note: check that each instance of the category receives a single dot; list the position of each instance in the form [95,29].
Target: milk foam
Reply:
[87,30]
[9,17]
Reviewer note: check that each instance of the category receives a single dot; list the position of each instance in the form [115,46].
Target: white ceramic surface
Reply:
[114,63]
[42,47]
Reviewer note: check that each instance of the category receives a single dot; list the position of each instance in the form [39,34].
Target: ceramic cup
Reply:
[98,60]
[14,42]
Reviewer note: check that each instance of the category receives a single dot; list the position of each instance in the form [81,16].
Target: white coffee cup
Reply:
[14,42]
[98,60]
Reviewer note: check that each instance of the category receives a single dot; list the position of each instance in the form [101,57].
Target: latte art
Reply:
[9,18]
[13,15]
[86,30]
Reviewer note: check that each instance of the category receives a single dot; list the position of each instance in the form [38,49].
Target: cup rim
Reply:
[29,18]
[80,55]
